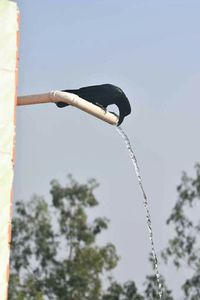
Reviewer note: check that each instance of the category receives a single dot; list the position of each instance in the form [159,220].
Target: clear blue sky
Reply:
[151,50]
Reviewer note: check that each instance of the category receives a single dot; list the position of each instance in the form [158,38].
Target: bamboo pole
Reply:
[71,99]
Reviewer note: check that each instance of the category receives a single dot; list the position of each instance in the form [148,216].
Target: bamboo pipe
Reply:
[71,99]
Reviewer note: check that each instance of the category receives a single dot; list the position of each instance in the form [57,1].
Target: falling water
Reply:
[146,206]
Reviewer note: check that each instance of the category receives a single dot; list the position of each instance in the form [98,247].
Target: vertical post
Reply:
[9,23]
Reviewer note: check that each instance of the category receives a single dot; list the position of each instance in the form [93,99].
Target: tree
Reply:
[54,254]
[127,291]
[151,290]
[184,248]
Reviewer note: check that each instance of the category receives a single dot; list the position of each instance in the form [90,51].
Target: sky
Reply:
[151,50]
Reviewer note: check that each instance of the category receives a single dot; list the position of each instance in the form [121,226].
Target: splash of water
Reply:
[146,206]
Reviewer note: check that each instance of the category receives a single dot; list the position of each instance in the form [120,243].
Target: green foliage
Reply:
[184,247]
[151,291]
[55,255]
[128,291]
[54,252]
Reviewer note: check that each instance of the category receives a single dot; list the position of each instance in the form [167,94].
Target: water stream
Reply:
[146,206]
